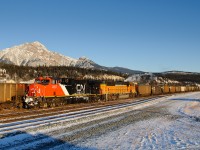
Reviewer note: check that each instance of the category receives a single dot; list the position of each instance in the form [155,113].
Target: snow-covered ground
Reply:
[182,131]
[171,122]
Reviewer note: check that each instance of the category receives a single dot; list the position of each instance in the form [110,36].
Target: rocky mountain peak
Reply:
[38,45]
[83,58]
[33,47]
[36,54]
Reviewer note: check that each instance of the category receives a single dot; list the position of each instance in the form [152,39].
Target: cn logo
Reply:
[80,88]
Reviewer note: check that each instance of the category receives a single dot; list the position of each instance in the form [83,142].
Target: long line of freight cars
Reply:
[9,91]
[146,90]
[12,91]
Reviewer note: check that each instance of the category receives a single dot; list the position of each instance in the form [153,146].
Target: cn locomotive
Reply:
[48,91]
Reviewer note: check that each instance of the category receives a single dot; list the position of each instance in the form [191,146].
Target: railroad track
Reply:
[72,127]
[19,115]
[17,126]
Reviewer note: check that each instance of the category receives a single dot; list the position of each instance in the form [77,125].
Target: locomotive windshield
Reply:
[43,81]
[38,81]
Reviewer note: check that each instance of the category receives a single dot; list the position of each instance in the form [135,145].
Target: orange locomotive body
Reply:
[47,87]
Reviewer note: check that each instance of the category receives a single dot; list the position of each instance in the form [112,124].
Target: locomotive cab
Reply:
[47,87]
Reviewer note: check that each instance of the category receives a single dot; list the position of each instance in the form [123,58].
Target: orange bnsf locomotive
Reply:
[48,91]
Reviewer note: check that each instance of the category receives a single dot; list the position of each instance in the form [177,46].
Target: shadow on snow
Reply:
[24,140]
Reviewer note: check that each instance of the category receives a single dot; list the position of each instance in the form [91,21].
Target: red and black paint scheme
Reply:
[66,90]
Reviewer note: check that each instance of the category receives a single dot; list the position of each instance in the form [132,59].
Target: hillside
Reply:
[170,78]
[183,77]
[25,73]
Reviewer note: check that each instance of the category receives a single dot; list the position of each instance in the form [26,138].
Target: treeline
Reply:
[194,78]
[28,72]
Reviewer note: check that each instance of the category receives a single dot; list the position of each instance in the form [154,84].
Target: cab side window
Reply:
[45,82]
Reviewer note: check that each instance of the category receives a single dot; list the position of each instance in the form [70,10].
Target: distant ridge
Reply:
[125,70]
[179,72]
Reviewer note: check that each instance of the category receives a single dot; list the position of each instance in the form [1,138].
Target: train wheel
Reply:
[26,106]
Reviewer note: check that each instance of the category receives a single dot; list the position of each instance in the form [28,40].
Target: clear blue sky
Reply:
[147,35]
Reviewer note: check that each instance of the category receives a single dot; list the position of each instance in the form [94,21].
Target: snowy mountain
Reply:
[36,54]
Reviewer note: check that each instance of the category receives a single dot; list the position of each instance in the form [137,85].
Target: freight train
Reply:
[48,91]
[51,92]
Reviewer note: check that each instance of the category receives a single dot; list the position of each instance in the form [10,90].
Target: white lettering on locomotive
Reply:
[80,88]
